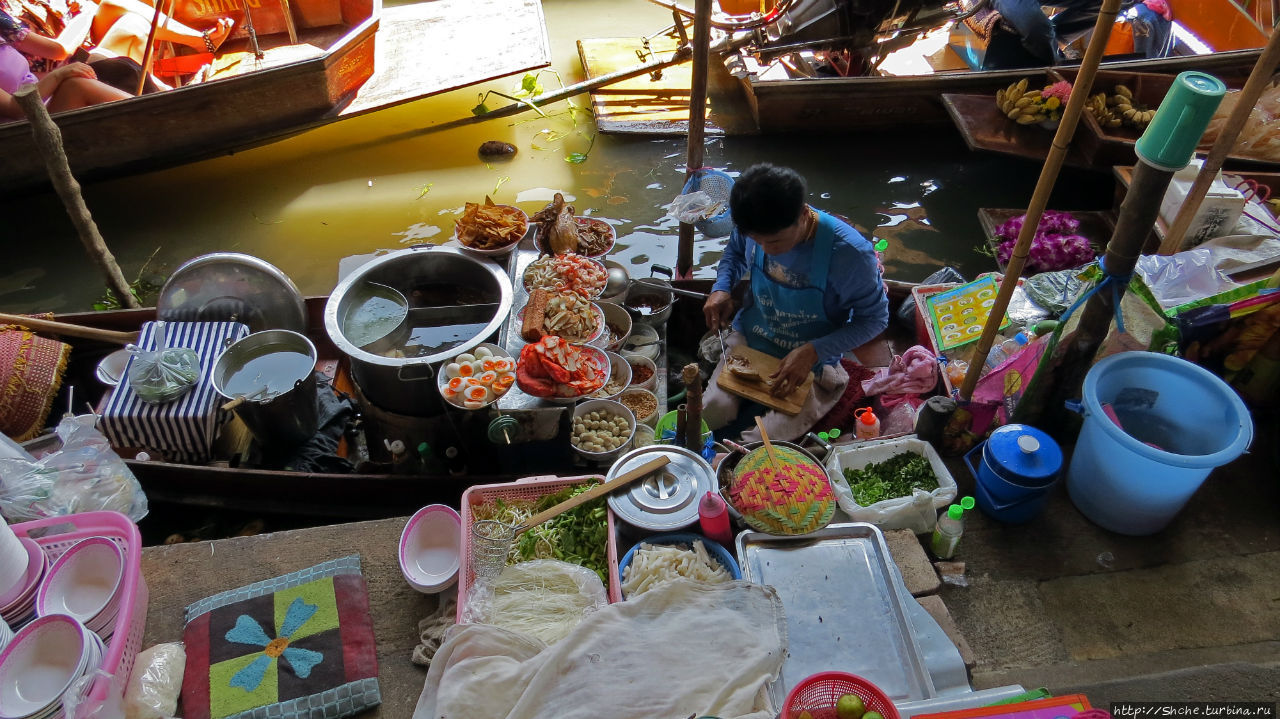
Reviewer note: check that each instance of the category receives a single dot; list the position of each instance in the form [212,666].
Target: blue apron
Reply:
[783,318]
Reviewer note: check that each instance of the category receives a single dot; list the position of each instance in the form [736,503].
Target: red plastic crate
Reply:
[530,488]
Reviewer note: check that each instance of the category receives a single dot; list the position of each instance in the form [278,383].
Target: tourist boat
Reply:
[349,58]
[786,82]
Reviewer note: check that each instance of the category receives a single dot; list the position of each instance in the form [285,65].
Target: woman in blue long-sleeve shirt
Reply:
[816,292]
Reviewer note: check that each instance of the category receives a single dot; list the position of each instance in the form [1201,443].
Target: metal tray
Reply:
[837,586]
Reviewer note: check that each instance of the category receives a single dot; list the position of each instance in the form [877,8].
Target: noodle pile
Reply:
[653,564]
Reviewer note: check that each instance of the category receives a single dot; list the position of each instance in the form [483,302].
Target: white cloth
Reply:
[719,407]
[677,650]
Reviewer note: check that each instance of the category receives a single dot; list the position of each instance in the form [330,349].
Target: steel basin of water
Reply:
[439,327]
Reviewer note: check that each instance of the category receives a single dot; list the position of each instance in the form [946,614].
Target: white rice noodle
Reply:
[653,564]
[543,598]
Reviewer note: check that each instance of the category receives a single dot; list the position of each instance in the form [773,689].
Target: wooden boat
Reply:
[984,127]
[792,92]
[350,58]
[360,495]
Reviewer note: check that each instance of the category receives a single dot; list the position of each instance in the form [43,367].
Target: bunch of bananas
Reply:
[1102,111]
[1021,105]
[1134,116]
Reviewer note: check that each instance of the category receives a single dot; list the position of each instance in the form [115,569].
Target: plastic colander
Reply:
[717,185]
[818,694]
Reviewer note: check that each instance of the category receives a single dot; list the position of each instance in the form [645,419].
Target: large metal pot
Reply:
[456,301]
[278,403]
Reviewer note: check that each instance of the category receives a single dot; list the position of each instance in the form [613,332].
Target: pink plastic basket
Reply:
[818,694]
[530,488]
[56,535]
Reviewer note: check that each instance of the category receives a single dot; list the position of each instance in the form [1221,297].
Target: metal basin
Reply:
[273,374]
[456,301]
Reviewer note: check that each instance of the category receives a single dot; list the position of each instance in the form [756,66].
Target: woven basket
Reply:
[819,693]
[797,500]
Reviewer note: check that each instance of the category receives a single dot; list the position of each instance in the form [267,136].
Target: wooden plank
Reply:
[431,47]
[758,391]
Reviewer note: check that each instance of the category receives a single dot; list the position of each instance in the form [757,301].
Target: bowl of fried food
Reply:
[595,237]
[489,229]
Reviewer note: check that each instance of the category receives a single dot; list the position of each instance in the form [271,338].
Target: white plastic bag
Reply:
[85,475]
[694,207]
[919,512]
[156,682]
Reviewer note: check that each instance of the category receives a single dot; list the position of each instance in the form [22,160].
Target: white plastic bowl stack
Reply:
[41,663]
[6,634]
[84,583]
[18,602]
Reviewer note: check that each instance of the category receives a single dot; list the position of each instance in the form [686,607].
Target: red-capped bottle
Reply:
[713,517]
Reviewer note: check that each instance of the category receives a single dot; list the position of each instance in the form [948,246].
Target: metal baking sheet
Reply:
[843,611]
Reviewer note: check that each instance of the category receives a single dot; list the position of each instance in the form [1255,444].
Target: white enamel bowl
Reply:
[40,663]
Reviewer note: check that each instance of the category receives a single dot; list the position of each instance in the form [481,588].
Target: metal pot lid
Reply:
[1023,454]
[668,499]
[226,286]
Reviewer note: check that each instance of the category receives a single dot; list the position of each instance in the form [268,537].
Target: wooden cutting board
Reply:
[759,391]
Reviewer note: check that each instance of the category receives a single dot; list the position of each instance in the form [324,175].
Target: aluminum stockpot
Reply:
[653,293]
[462,298]
[287,417]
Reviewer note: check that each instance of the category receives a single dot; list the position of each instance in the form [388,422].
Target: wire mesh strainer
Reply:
[716,185]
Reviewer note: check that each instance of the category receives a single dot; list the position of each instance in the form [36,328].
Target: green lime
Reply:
[850,706]
[873,715]
[805,715]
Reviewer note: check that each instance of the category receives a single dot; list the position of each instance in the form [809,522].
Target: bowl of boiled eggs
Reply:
[477,378]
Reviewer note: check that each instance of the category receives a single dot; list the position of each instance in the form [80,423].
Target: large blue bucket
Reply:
[1016,468]
[1177,421]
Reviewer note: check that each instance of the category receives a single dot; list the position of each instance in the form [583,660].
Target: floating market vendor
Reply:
[1039,33]
[816,292]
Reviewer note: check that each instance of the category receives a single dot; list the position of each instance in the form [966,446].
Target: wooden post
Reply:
[49,141]
[148,53]
[1253,87]
[693,401]
[697,121]
[1044,186]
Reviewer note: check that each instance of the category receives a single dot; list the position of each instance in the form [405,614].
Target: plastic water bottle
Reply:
[713,518]
[1001,353]
[868,424]
[949,530]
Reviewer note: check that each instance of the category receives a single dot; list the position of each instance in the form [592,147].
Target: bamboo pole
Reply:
[697,121]
[49,142]
[1044,187]
[692,379]
[1253,87]
[148,53]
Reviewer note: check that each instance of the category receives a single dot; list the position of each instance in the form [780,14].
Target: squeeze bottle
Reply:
[713,518]
[950,527]
[868,424]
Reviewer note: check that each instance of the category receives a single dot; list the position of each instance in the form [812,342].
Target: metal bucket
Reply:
[284,414]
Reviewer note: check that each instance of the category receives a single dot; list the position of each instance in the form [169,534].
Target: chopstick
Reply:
[768,446]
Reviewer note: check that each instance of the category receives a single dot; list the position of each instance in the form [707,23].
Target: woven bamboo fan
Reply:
[793,498]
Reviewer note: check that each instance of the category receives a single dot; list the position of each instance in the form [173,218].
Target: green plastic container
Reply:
[1171,138]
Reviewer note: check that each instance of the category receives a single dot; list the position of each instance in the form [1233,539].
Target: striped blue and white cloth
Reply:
[182,430]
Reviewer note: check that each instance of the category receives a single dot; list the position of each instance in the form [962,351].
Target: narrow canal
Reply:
[387,180]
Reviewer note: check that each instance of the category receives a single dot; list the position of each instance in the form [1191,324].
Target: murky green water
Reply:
[388,181]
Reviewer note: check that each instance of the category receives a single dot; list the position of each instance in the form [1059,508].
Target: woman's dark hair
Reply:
[766,199]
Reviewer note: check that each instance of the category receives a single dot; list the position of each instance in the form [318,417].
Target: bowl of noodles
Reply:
[489,229]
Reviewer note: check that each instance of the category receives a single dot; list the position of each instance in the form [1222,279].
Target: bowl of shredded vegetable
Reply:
[664,557]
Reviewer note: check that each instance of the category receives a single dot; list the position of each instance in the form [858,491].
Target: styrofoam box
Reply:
[899,512]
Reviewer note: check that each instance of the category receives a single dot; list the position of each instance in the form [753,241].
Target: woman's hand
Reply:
[718,309]
[793,369]
[75,69]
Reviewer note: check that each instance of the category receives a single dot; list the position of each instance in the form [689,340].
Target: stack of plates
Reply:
[41,663]
[18,604]
[84,583]
[5,635]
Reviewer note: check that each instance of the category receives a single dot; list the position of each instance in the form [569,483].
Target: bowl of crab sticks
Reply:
[476,379]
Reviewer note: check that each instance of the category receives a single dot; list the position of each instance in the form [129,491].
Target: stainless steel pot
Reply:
[287,414]
[654,293]
[456,301]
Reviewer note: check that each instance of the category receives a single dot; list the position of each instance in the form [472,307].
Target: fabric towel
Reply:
[914,372]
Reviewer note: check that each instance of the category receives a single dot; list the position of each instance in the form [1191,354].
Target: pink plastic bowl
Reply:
[430,548]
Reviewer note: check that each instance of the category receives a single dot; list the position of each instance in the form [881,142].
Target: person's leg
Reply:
[1033,27]
[719,408]
[77,92]
[121,27]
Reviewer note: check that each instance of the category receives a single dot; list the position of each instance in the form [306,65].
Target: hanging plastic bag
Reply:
[694,207]
[165,373]
[85,475]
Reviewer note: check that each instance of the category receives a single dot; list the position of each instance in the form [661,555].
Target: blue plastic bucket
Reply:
[1179,422]
[1018,466]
